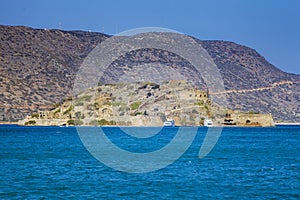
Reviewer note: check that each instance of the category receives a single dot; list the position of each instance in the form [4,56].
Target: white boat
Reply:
[169,123]
[208,123]
[64,125]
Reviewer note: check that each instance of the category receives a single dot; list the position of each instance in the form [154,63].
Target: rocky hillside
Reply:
[144,104]
[134,104]
[252,83]
[38,67]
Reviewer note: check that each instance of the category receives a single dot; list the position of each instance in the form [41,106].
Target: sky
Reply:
[272,27]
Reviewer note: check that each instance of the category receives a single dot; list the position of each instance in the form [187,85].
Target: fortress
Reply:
[144,104]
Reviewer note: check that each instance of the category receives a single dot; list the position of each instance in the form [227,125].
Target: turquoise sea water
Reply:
[246,163]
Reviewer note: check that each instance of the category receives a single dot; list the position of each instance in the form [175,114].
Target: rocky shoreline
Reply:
[144,104]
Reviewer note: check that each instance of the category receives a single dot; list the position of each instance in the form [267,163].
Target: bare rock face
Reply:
[38,67]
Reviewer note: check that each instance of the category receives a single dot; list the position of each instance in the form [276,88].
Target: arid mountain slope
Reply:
[261,86]
[38,67]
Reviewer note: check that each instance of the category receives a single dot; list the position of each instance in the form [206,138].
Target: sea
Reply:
[55,163]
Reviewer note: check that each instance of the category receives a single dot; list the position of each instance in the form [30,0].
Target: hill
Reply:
[144,104]
[38,67]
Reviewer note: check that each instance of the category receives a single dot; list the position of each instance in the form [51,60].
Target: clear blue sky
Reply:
[272,27]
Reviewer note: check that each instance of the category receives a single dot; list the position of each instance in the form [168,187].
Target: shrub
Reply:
[35,115]
[56,111]
[74,122]
[138,113]
[199,103]
[135,105]
[68,110]
[96,105]
[71,122]
[30,122]
[105,122]
[253,112]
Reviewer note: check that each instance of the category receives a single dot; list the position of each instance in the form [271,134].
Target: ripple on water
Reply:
[247,163]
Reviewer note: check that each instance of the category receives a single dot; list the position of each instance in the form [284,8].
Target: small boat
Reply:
[64,125]
[169,123]
[208,123]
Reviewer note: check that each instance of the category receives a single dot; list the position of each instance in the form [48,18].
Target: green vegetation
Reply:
[30,122]
[199,103]
[135,105]
[69,109]
[56,111]
[103,122]
[74,122]
[138,113]
[111,84]
[201,122]
[117,104]
[96,105]
[35,115]
[253,112]
[71,122]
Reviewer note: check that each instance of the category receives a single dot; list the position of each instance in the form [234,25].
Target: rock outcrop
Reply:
[143,104]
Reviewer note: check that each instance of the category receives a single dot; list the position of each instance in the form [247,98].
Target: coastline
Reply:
[287,124]
[232,126]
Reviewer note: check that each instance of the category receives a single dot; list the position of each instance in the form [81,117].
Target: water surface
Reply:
[246,163]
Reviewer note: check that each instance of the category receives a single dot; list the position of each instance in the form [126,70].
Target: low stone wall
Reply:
[45,122]
[242,119]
